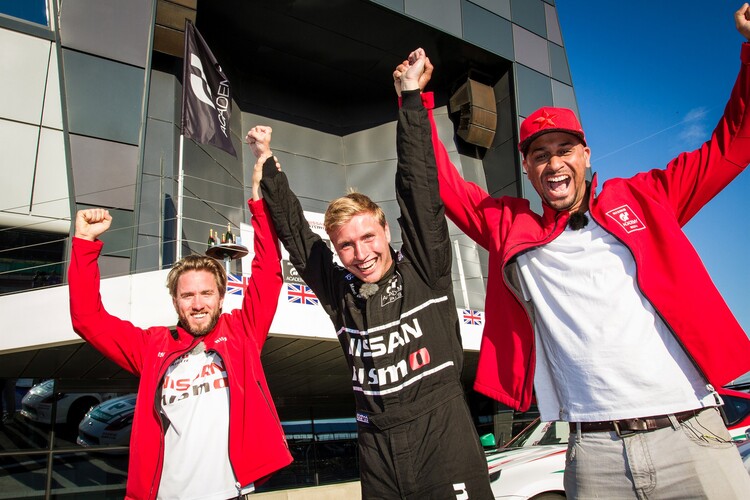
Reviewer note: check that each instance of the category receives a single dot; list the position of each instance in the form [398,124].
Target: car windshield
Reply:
[740,383]
[540,434]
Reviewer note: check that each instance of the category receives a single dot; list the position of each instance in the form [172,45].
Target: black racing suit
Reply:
[402,344]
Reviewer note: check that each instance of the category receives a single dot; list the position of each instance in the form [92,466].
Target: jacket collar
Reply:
[185,338]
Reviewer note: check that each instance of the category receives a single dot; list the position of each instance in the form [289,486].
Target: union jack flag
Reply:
[301,294]
[473,317]
[236,284]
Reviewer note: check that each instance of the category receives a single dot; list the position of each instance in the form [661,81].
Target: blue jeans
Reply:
[692,459]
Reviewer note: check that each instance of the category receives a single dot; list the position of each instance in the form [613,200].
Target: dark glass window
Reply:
[34,11]
[80,427]
[735,409]
[30,259]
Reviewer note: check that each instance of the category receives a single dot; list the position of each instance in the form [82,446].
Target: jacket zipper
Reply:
[157,404]
[276,418]
[237,484]
[510,255]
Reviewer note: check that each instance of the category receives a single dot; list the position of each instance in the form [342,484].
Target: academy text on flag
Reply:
[206,95]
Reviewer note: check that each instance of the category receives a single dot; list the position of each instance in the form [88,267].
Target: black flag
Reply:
[206,95]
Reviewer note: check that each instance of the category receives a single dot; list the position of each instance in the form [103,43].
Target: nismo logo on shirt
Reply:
[211,377]
[384,344]
[393,373]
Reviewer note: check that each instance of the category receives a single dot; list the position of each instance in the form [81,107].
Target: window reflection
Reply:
[108,423]
[17,432]
[324,451]
[89,423]
[34,11]
[84,475]
[22,475]
[30,259]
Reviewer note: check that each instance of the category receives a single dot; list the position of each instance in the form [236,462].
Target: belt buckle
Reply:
[621,432]
[641,426]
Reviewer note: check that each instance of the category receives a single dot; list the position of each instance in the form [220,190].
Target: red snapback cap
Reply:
[548,119]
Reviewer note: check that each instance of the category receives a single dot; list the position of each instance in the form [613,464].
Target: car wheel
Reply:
[549,496]
[78,410]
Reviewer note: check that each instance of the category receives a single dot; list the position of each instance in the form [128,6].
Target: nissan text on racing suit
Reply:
[398,328]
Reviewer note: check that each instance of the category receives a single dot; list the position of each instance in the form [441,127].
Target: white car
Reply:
[531,464]
[37,404]
[109,423]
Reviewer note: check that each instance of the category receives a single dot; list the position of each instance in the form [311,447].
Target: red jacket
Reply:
[646,213]
[257,446]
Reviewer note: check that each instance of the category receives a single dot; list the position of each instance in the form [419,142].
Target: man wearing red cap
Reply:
[589,304]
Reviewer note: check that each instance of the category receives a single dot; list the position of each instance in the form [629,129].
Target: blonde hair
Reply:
[197,263]
[342,210]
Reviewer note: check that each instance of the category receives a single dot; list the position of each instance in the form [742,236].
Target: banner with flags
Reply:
[206,95]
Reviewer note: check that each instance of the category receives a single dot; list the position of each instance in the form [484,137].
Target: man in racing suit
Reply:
[396,320]
[602,303]
[204,425]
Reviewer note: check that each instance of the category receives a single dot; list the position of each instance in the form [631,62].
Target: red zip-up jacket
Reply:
[646,213]
[257,446]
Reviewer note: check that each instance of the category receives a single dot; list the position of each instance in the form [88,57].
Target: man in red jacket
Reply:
[590,302]
[205,425]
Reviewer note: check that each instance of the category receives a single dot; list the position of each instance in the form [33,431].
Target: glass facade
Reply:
[30,259]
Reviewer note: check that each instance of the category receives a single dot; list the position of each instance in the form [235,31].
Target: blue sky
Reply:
[651,79]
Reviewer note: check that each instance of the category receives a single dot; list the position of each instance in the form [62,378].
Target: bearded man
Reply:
[197,377]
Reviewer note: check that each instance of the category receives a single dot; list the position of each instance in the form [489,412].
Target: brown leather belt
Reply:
[631,425]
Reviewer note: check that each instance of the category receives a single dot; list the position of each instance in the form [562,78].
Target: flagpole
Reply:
[180,189]
[206,109]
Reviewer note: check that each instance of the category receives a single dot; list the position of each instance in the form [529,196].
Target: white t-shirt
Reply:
[195,400]
[602,353]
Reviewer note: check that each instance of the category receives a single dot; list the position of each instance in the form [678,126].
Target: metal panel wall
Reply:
[487,30]
[443,14]
[104,97]
[112,29]
[32,154]
[104,172]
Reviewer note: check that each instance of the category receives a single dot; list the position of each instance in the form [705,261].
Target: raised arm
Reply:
[465,203]
[423,226]
[262,291]
[307,251]
[117,339]
[692,179]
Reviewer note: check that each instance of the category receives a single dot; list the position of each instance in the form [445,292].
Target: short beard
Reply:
[203,331]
